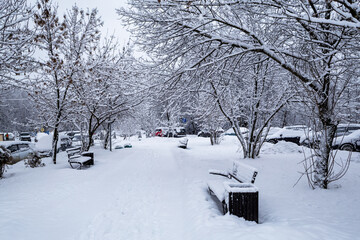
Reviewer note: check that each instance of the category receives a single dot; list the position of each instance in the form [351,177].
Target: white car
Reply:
[288,134]
[230,132]
[77,141]
[20,150]
[349,142]
[312,138]
[25,136]
[44,143]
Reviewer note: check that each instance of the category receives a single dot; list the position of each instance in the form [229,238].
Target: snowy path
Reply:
[137,193]
[149,201]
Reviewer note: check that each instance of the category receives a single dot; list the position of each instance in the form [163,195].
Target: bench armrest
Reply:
[235,177]
[220,173]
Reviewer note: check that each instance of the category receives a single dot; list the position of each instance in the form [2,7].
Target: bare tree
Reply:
[311,40]
[15,40]
[109,88]
[66,45]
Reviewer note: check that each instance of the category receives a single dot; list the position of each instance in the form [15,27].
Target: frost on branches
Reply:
[316,42]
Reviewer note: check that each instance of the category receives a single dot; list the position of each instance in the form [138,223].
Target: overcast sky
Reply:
[106,8]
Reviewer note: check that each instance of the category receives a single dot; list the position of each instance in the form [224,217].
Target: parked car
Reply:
[288,134]
[170,132]
[204,133]
[9,136]
[44,144]
[80,141]
[312,138]
[65,142]
[179,132]
[230,131]
[349,142]
[25,136]
[164,132]
[77,141]
[346,129]
[20,150]
[161,131]
[207,133]
[72,134]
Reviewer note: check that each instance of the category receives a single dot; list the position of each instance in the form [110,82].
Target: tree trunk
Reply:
[326,115]
[90,135]
[212,138]
[321,170]
[107,136]
[321,167]
[90,141]
[106,140]
[54,142]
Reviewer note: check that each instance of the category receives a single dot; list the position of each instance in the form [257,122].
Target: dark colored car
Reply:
[204,133]
[25,136]
[179,132]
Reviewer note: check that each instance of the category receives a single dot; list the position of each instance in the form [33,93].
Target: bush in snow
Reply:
[5,158]
[34,162]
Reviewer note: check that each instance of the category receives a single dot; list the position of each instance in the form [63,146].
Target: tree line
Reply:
[248,59]
[70,72]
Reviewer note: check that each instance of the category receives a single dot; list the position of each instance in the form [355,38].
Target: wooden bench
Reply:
[78,159]
[237,186]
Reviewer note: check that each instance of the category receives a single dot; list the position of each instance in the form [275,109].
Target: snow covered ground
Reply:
[158,191]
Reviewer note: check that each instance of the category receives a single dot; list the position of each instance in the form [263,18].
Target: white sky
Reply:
[106,8]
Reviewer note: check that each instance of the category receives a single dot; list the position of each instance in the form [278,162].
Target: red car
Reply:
[158,132]
[162,131]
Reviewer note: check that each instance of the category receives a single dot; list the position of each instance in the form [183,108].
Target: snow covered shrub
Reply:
[5,158]
[34,162]
[2,168]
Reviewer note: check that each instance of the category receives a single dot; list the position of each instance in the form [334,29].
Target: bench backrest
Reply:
[244,173]
[73,151]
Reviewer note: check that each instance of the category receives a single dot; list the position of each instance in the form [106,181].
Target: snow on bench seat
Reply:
[217,188]
[79,159]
